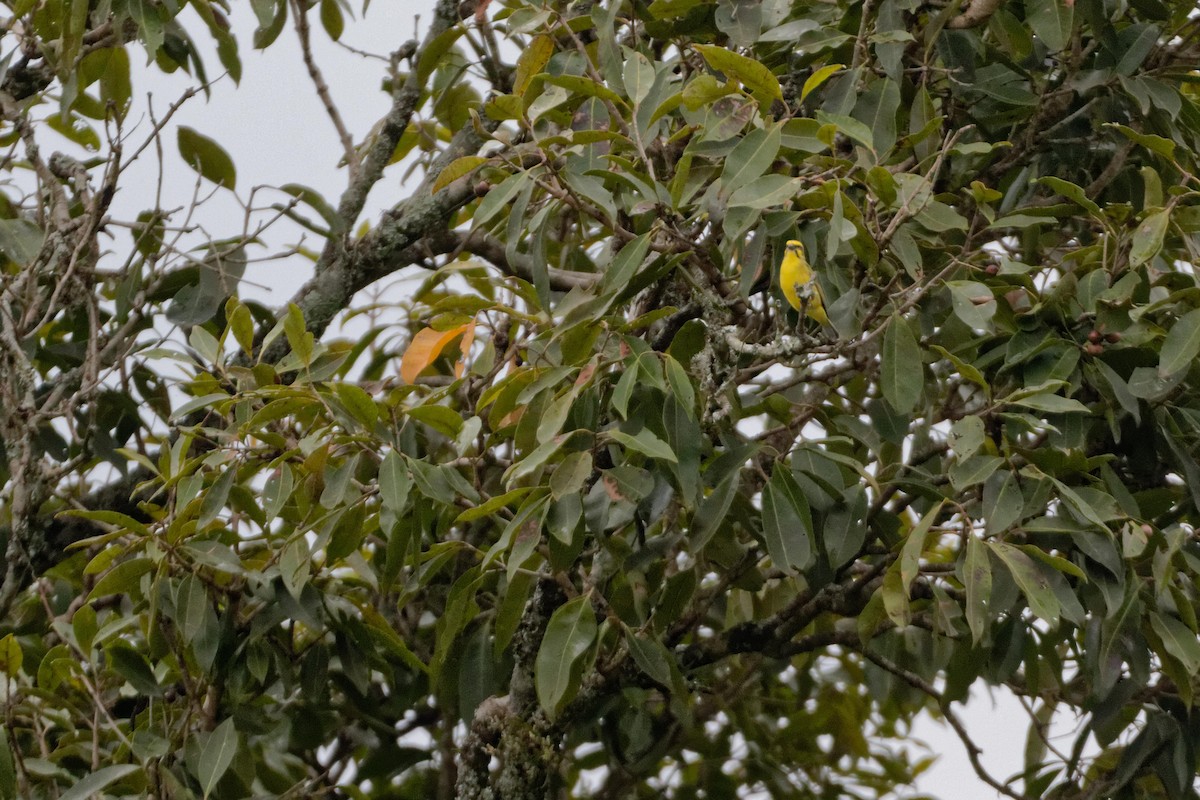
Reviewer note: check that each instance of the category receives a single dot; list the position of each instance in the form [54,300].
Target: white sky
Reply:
[274,128]
[276,131]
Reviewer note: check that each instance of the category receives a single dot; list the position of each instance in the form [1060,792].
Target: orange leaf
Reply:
[586,373]
[468,339]
[513,417]
[614,490]
[424,349]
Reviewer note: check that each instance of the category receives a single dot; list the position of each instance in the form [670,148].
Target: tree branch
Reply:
[975,14]
[491,249]
[404,104]
[302,30]
[973,750]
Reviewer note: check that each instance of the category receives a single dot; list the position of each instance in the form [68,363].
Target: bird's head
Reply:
[795,246]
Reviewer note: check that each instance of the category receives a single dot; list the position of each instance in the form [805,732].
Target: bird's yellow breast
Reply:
[799,287]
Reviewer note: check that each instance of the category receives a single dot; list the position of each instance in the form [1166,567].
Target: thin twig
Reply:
[331,110]
[973,750]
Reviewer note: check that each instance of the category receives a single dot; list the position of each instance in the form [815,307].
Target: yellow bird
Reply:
[799,284]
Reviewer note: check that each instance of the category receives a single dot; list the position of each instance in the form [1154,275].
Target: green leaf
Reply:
[499,197]
[703,90]
[877,109]
[1153,143]
[849,126]
[20,240]
[110,66]
[645,443]
[206,157]
[331,19]
[535,460]
[571,474]
[148,233]
[74,128]
[751,157]
[8,770]
[624,267]
[713,510]
[318,203]
[965,369]
[433,54]
[787,522]
[766,191]
[295,562]
[914,545]
[360,404]
[1031,579]
[681,384]
[901,375]
[939,218]
[977,578]
[638,76]
[217,277]
[1148,238]
[217,755]
[1072,192]
[1052,404]
[1006,85]
[150,24]
[493,505]
[818,77]
[788,31]
[532,61]
[217,496]
[757,78]
[1178,639]
[1137,41]
[299,338]
[277,490]
[241,325]
[102,778]
[1002,502]
[133,667]
[651,656]
[1076,502]
[1051,20]
[1120,389]
[114,518]
[580,86]
[11,655]
[458,168]
[556,415]
[1182,345]
[895,598]
[1146,383]
[83,624]
[123,578]
[192,606]
[973,303]
[966,437]
[569,636]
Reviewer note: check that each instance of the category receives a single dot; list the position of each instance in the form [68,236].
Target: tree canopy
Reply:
[590,511]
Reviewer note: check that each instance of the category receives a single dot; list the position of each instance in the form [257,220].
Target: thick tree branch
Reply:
[387,248]
[405,99]
[514,727]
[975,14]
